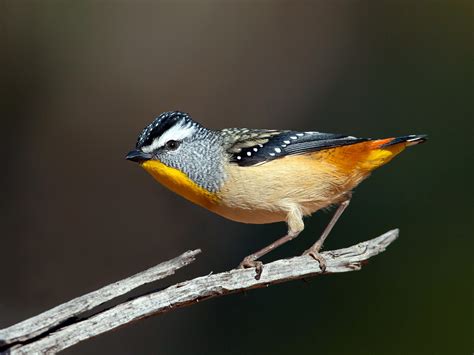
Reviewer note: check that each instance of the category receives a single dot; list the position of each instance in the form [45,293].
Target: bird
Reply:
[261,176]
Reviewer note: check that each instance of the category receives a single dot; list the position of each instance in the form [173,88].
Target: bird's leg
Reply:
[295,226]
[316,247]
[251,260]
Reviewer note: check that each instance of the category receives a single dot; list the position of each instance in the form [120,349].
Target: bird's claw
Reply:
[248,263]
[318,257]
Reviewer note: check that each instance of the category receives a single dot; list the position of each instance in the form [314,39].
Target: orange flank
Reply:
[367,156]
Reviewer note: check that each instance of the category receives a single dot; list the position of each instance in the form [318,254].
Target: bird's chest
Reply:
[180,183]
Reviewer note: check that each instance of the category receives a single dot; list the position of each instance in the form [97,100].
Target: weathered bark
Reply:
[63,326]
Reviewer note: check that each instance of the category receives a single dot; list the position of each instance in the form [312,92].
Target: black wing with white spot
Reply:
[252,147]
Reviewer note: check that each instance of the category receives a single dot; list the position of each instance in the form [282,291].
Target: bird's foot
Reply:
[250,262]
[314,253]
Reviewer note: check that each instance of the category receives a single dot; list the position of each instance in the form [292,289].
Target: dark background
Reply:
[79,80]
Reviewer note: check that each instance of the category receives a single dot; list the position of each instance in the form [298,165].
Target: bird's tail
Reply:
[383,150]
[407,141]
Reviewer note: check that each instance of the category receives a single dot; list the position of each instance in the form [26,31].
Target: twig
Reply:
[50,319]
[36,334]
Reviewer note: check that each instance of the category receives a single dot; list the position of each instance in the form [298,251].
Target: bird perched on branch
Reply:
[261,175]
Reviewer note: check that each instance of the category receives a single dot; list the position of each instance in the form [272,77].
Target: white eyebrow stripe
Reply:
[178,132]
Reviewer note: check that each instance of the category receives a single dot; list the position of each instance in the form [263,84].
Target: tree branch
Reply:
[54,317]
[62,327]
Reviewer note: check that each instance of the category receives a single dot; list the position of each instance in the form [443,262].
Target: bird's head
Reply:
[175,141]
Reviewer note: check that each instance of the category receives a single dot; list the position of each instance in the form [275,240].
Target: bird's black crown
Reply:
[160,125]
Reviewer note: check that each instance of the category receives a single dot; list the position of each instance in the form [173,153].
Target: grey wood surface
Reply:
[33,336]
[43,322]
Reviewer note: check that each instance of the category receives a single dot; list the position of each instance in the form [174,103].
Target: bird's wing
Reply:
[248,147]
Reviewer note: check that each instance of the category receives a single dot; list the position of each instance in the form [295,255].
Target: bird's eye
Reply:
[172,145]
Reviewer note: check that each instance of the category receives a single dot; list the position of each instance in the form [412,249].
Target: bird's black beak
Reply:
[138,156]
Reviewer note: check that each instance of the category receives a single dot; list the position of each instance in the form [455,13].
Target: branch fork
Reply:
[66,325]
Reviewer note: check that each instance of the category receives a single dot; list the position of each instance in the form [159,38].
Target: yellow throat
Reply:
[180,183]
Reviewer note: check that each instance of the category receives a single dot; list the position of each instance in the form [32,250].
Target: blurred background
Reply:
[81,79]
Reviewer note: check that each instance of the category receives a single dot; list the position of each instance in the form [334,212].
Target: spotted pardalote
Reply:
[261,175]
